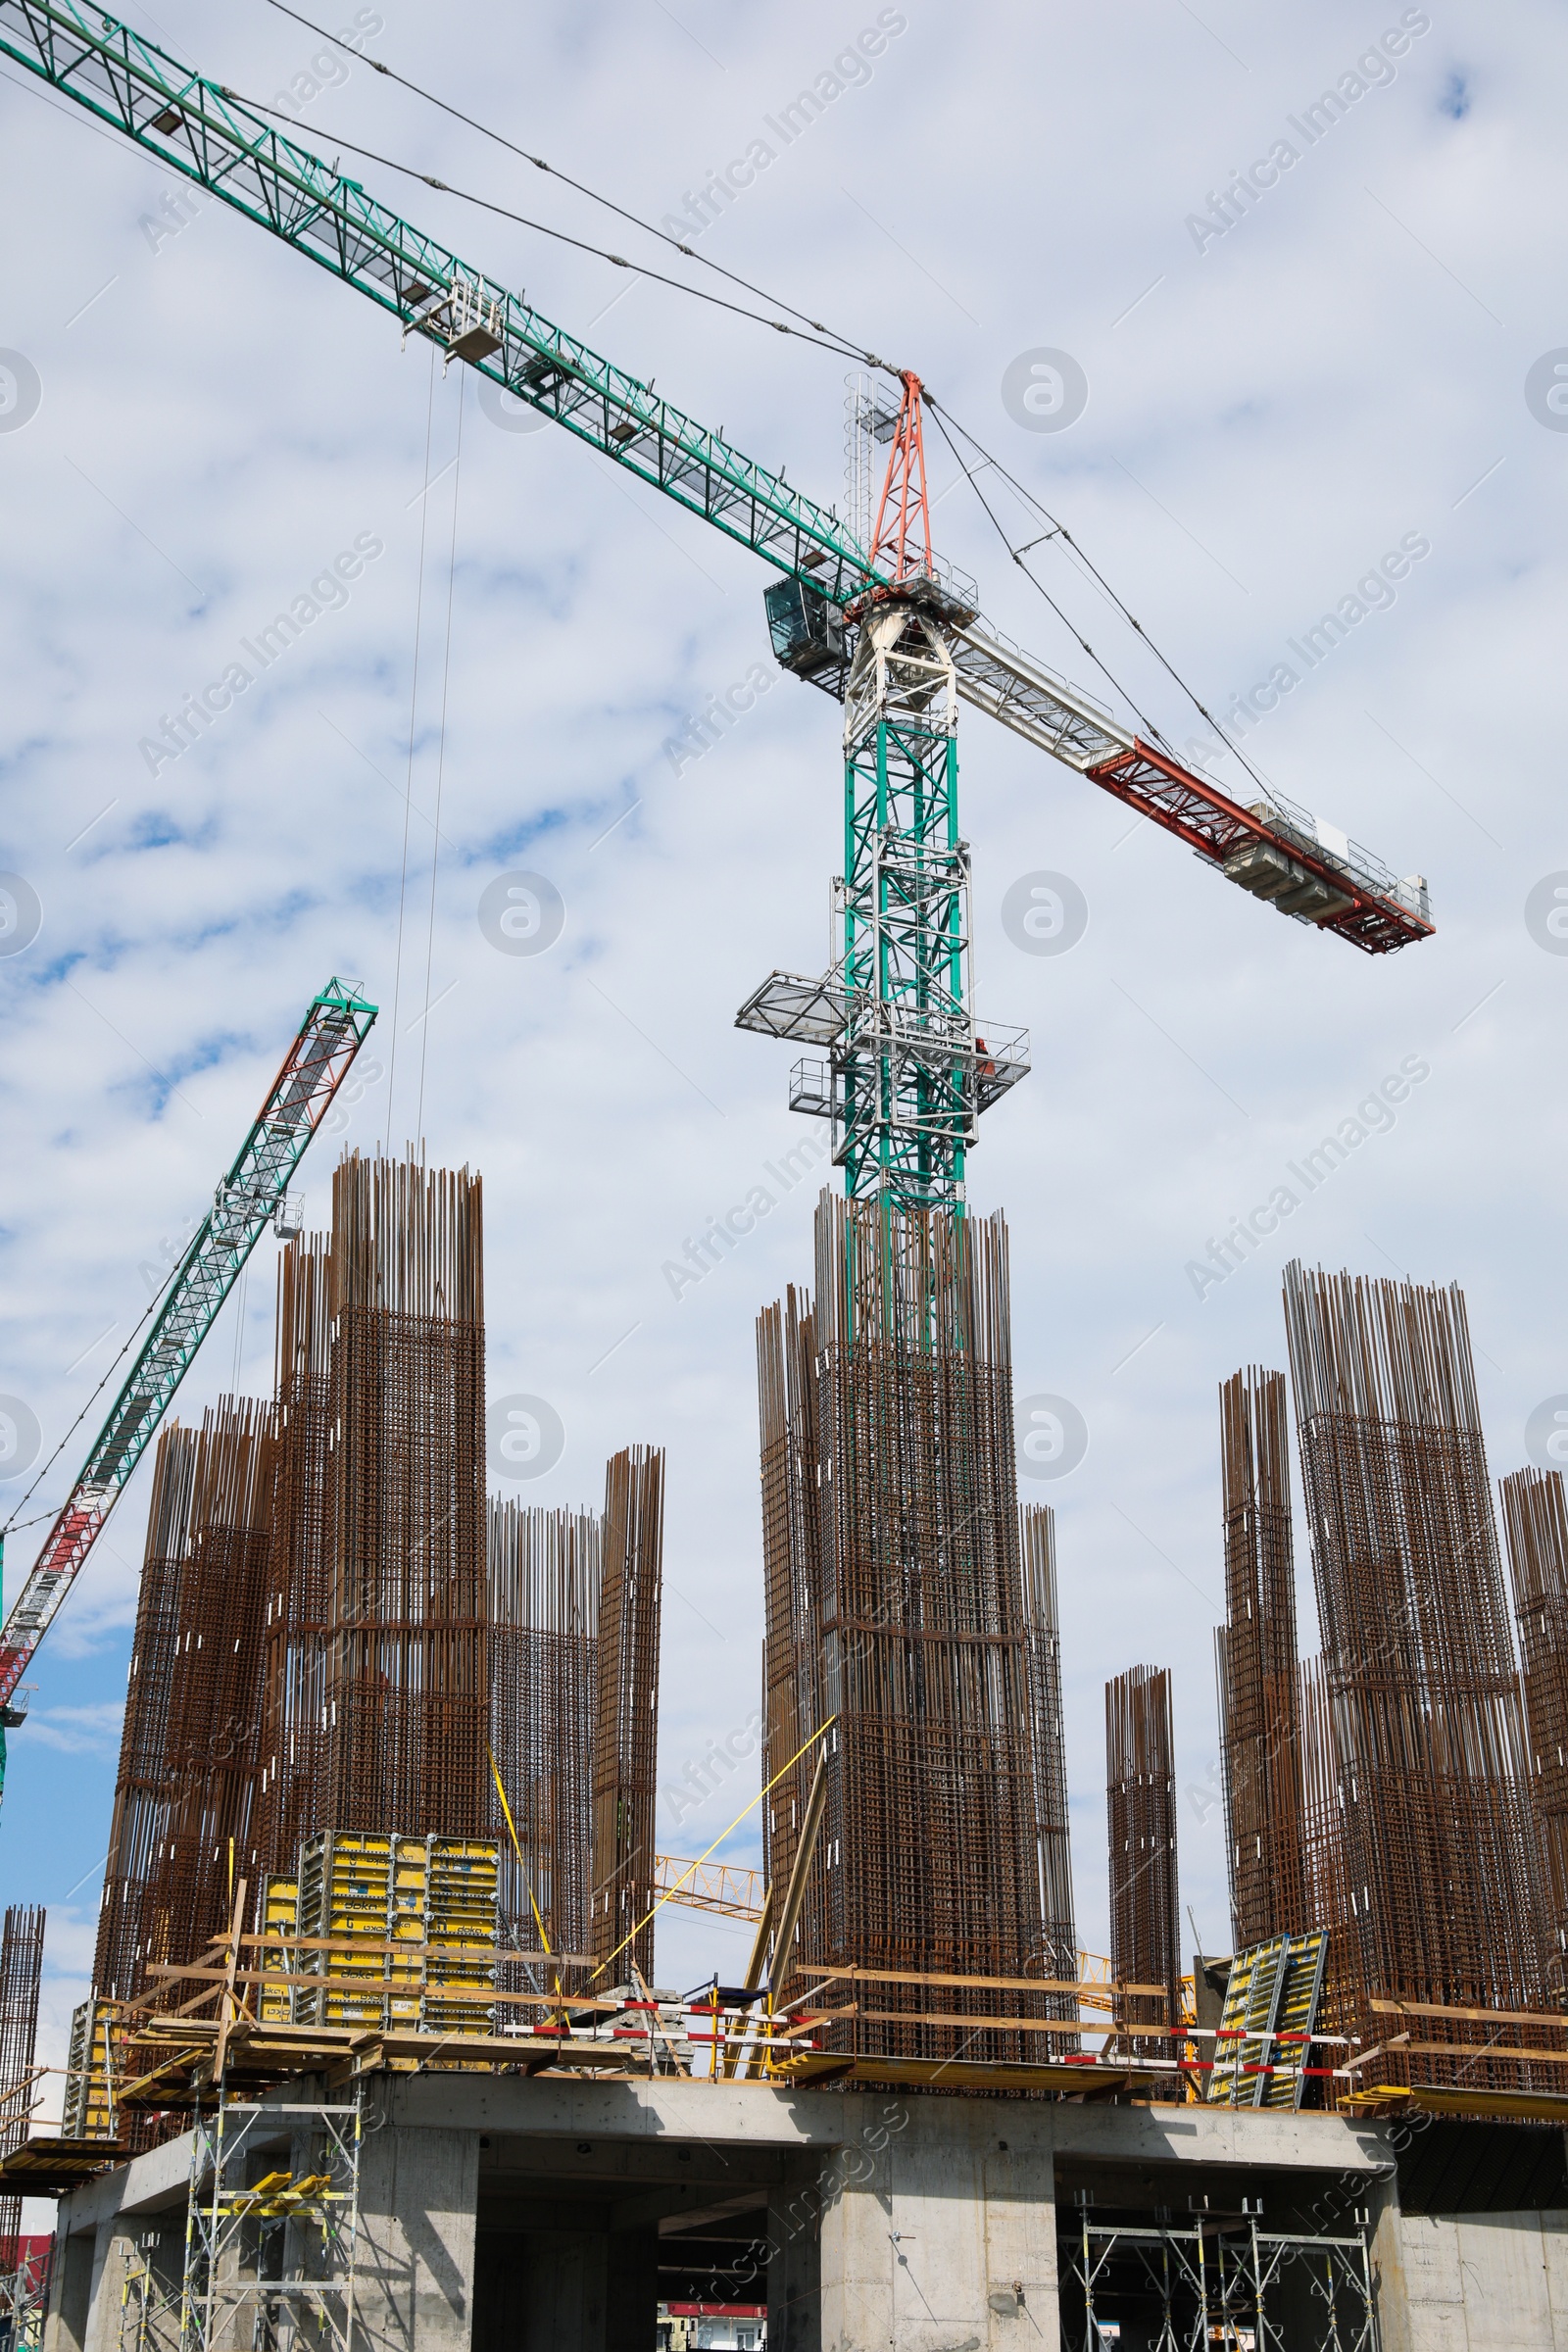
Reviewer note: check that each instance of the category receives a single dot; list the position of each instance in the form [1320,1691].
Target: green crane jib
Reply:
[253,1191]
[906,1074]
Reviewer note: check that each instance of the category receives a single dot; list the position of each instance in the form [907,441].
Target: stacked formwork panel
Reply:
[1141,1833]
[183,1794]
[1255,1655]
[1535,1511]
[20,1970]
[1436,1861]
[897,1617]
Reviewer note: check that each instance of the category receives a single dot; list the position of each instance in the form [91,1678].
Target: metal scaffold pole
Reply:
[272,2259]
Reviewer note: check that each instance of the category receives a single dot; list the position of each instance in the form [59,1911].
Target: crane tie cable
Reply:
[580,186]
[824,341]
[943,418]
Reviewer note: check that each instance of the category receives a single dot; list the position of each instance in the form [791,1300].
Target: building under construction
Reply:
[912,1653]
[339,1633]
[374,1964]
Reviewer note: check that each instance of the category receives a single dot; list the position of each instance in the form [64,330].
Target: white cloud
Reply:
[221,413]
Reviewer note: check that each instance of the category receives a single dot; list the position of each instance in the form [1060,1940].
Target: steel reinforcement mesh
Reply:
[377,1702]
[1141,1834]
[20,1970]
[1255,1658]
[1436,1858]
[337,1632]
[546,1573]
[1534,1513]
[625,1735]
[897,1618]
[576,1601]
[1042,1656]
[181,1822]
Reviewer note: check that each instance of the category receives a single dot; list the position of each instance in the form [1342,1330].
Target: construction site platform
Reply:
[500,2212]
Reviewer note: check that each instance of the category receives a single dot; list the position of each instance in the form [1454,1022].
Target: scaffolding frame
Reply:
[24,2297]
[318,2207]
[1214,2283]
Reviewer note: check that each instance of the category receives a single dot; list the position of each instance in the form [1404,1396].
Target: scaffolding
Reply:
[1208,2284]
[271,2261]
[23,2295]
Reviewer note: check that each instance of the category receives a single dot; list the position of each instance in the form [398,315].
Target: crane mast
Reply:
[906,1075]
[252,1193]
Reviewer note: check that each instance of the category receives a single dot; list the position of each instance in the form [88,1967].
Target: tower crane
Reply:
[884,626]
[255,1190]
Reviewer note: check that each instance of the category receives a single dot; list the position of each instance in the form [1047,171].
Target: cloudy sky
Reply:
[1280,393]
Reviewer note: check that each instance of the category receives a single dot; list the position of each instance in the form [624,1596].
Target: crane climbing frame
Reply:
[253,1191]
[211,136]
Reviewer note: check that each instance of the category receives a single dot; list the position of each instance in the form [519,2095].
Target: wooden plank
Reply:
[960,2075]
[1010,2025]
[890,1976]
[1473,2017]
[1523,2106]
[1472,2050]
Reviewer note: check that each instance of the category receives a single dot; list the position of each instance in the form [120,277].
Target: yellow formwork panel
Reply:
[280,1916]
[461,1911]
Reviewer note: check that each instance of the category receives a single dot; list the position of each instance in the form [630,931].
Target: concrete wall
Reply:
[515,2213]
[939,2231]
[1481,2283]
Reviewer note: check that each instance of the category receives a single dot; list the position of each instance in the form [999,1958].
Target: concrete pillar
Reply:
[793,2287]
[114,2244]
[418,2195]
[543,2290]
[64,2325]
[940,2227]
[632,2298]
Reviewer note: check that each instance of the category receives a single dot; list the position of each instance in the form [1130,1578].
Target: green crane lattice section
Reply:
[333,1030]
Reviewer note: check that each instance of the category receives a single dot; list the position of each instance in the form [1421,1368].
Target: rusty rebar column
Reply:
[377,1707]
[1256,1660]
[183,1796]
[20,1970]
[1052,1832]
[625,1736]
[896,1605]
[546,1569]
[1438,1850]
[1535,1511]
[1141,1834]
